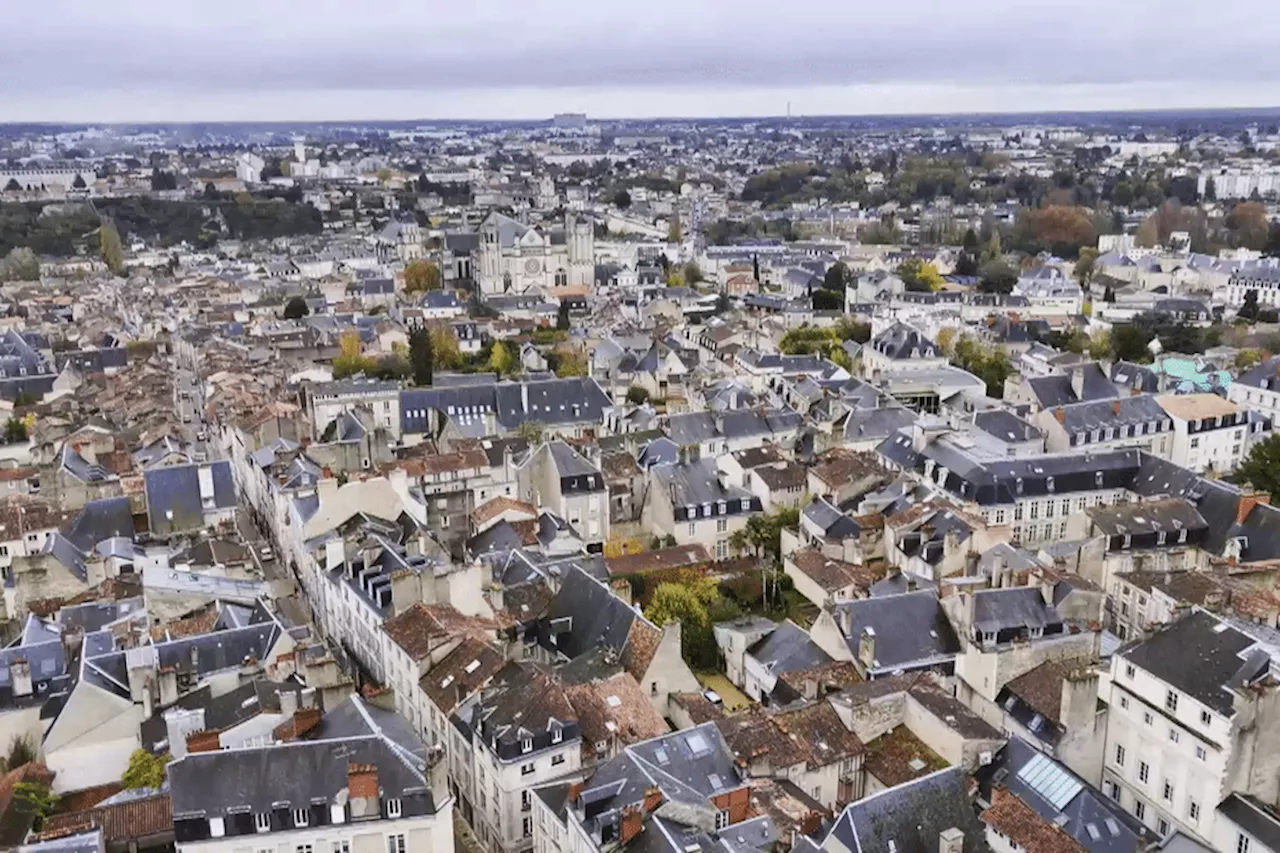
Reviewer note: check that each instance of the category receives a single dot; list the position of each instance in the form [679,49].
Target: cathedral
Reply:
[516,258]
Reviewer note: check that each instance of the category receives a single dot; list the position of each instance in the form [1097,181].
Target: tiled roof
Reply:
[1016,820]
[415,629]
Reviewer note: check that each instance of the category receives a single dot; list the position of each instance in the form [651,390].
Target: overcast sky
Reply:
[146,60]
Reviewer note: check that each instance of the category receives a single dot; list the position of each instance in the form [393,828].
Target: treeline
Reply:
[64,230]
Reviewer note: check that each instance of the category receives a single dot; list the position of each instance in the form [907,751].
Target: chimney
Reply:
[1077,381]
[1248,500]
[299,724]
[288,703]
[362,788]
[1115,407]
[950,542]
[1061,414]
[575,791]
[205,740]
[951,841]
[652,799]
[845,619]
[867,647]
[632,823]
[20,677]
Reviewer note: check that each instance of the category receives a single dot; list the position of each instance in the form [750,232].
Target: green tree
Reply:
[1261,468]
[421,275]
[530,431]
[1129,343]
[502,360]
[836,277]
[296,308]
[674,232]
[918,275]
[996,276]
[762,534]
[421,359]
[1084,265]
[36,800]
[570,363]
[1249,307]
[445,352]
[637,396]
[21,264]
[145,770]
[21,751]
[693,274]
[15,431]
[111,249]
[989,363]
[622,199]
[562,316]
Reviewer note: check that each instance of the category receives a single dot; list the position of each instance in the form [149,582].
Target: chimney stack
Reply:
[632,824]
[20,677]
[205,740]
[288,703]
[1077,381]
[951,841]
[867,647]
[1248,500]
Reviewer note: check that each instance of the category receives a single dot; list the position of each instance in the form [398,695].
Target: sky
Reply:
[279,60]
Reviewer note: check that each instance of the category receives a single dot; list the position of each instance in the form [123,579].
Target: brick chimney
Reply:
[1061,414]
[205,740]
[362,790]
[302,721]
[1248,500]
[632,823]
[575,791]
[652,799]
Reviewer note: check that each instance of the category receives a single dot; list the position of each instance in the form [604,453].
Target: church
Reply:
[516,258]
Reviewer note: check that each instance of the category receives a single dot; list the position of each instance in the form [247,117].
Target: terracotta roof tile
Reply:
[120,822]
[422,627]
[1016,820]
[663,558]
[642,645]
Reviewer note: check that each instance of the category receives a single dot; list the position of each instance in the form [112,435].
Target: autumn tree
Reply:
[421,275]
[946,337]
[570,362]
[446,354]
[692,273]
[21,264]
[110,248]
[1248,221]
[502,360]
[1084,266]
[145,770]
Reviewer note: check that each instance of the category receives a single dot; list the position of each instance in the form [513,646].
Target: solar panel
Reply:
[1050,781]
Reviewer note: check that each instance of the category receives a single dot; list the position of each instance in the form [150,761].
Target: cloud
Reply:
[141,56]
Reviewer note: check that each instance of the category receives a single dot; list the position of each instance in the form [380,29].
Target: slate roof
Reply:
[100,520]
[1254,817]
[996,610]
[911,630]
[788,648]
[1057,390]
[912,815]
[1202,656]
[1006,426]
[577,399]
[901,341]
[173,496]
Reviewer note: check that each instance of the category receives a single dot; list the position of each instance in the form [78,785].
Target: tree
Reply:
[145,770]
[989,363]
[1210,189]
[996,276]
[1261,468]
[421,275]
[15,431]
[1247,358]
[693,274]
[1100,345]
[562,316]
[36,800]
[110,247]
[836,277]
[946,337]
[78,183]
[445,352]
[917,275]
[622,199]
[161,180]
[1248,220]
[762,534]
[570,363]
[21,751]
[637,395]
[1249,307]
[674,233]
[1084,266]
[1129,343]
[296,308]
[1148,234]
[21,264]
[502,360]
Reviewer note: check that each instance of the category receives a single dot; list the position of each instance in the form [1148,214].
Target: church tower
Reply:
[582,250]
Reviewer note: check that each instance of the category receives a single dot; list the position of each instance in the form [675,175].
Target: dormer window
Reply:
[1018,484]
[301,817]
[1160,537]
[217,827]
[1048,484]
[1097,479]
[987,637]
[557,734]
[526,744]
[262,821]
[394,807]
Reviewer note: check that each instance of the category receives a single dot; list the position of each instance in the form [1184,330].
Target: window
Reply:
[342,846]
[1173,735]
[526,769]
[722,525]
[1124,701]
[1129,671]
[557,734]
[396,844]
[1144,771]
[746,504]
[693,530]
[1035,511]
[1139,809]
[1193,810]
[1119,755]
[303,848]
[1205,718]
[301,817]
[1162,827]
[1017,513]
[394,807]
[1195,443]
[1048,510]
[525,802]
[722,820]
[1200,752]
[1168,791]
[1112,790]
[999,516]
[262,821]
[1146,717]
[217,827]
[1171,702]
[557,760]
[526,827]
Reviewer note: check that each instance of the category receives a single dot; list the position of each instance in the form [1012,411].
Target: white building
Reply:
[1208,431]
